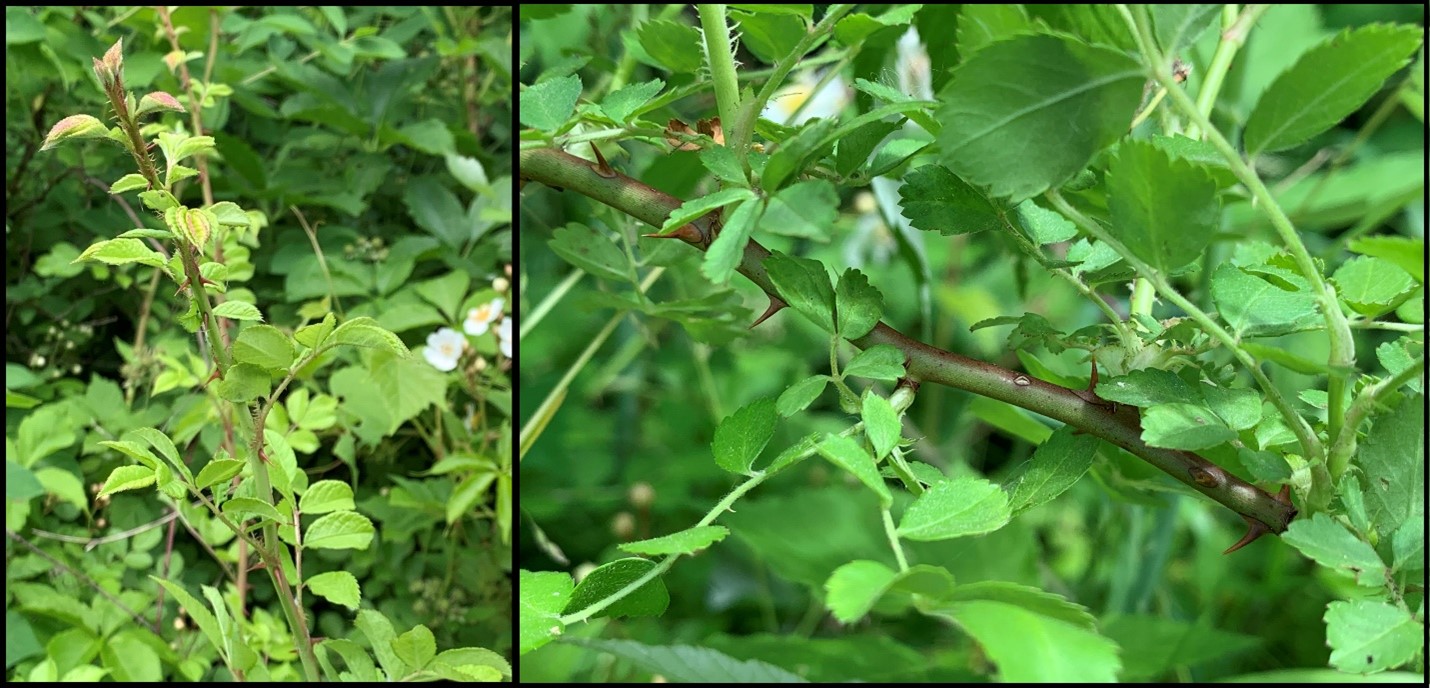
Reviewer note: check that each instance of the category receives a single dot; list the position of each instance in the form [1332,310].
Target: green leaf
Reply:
[936,200]
[1146,387]
[852,150]
[264,346]
[1183,426]
[688,541]
[956,508]
[1030,647]
[380,635]
[854,587]
[1392,460]
[857,305]
[416,647]
[542,597]
[1264,466]
[1406,253]
[240,508]
[742,435]
[1163,210]
[1056,465]
[129,182]
[339,530]
[446,292]
[127,478]
[1331,545]
[878,362]
[1152,645]
[795,153]
[686,664]
[243,383]
[591,251]
[338,587]
[547,105]
[694,208]
[728,248]
[674,45]
[1367,636]
[1372,286]
[365,332]
[980,25]
[624,102]
[1240,408]
[200,613]
[1327,84]
[217,471]
[881,423]
[325,496]
[1254,307]
[316,334]
[1071,101]
[122,252]
[800,395]
[850,456]
[1044,226]
[769,36]
[807,209]
[804,285]
[238,310]
[723,163]
[1178,26]
[651,599]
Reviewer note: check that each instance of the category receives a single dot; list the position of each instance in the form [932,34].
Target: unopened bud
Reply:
[641,495]
[623,525]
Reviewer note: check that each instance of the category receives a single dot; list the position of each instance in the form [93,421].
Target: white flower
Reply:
[913,66]
[504,336]
[482,317]
[827,102]
[443,348]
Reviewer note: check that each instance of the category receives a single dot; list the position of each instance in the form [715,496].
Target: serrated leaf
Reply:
[804,285]
[742,435]
[339,530]
[651,599]
[686,541]
[956,508]
[1327,84]
[858,305]
[1070,101]
[547,105]
[1163,210]
[936,200]
[878,362]
[1057,464]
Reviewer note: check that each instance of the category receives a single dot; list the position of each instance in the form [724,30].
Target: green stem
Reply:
[1233,36]
[1345,445]
[1342,356]
[665,564]
[719,56]
[745,125]
[1310,444]
[893,534]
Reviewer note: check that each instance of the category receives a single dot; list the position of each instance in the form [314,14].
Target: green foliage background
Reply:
[628,455]
[389,130]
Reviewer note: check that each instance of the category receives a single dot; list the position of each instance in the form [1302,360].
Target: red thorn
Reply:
[1255,529]
[185,285]
[687,233]
[217,375]
[776,305]
[602,168]
[1092,381]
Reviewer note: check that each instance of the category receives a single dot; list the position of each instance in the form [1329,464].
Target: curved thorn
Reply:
[687,233]
[776,305]
[1255,529]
